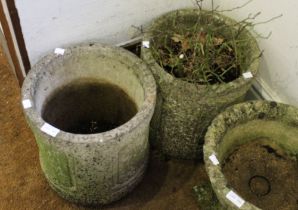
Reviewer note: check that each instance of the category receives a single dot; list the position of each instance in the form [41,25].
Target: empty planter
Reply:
[89,109]
[251,152]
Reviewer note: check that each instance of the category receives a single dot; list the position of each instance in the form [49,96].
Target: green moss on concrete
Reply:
[206,197]
[55,164]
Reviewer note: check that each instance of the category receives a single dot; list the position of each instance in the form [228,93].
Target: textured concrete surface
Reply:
[244,123]
[102,167]
[185,110]
[167,184]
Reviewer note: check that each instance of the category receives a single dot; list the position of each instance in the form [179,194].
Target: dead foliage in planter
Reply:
[204,47]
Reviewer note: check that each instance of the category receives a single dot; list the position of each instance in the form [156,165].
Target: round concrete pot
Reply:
[96,168]
[184,110]
[240,125]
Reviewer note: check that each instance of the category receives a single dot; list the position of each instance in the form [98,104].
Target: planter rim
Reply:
[217,129]
[217,88]
[145,111]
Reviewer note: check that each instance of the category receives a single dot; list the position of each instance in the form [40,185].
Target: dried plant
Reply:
[206,49]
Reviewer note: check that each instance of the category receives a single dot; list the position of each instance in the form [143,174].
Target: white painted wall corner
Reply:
[263,91]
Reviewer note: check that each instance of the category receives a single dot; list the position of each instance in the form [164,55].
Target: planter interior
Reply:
[182,21]
[82,73]
[101,99]
[184,110]
[87,106]
[257,146]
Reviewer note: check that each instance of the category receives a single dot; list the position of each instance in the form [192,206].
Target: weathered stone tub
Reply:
[272,125]
[91,167]
[184,110]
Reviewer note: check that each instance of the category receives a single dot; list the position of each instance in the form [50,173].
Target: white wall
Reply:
[4,44]
[278,78]
[49,24]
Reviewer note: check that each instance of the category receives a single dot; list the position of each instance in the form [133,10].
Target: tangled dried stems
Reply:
[206,49]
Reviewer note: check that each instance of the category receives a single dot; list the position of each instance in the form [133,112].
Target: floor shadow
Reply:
[166,181]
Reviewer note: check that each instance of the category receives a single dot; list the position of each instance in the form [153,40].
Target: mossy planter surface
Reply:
[184,110]
[99,167]
[272,125]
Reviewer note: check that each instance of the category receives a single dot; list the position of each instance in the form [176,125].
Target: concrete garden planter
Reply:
[89,109]
[184,110]
[252,149]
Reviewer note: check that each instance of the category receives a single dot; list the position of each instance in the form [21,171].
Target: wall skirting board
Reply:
[262,91]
